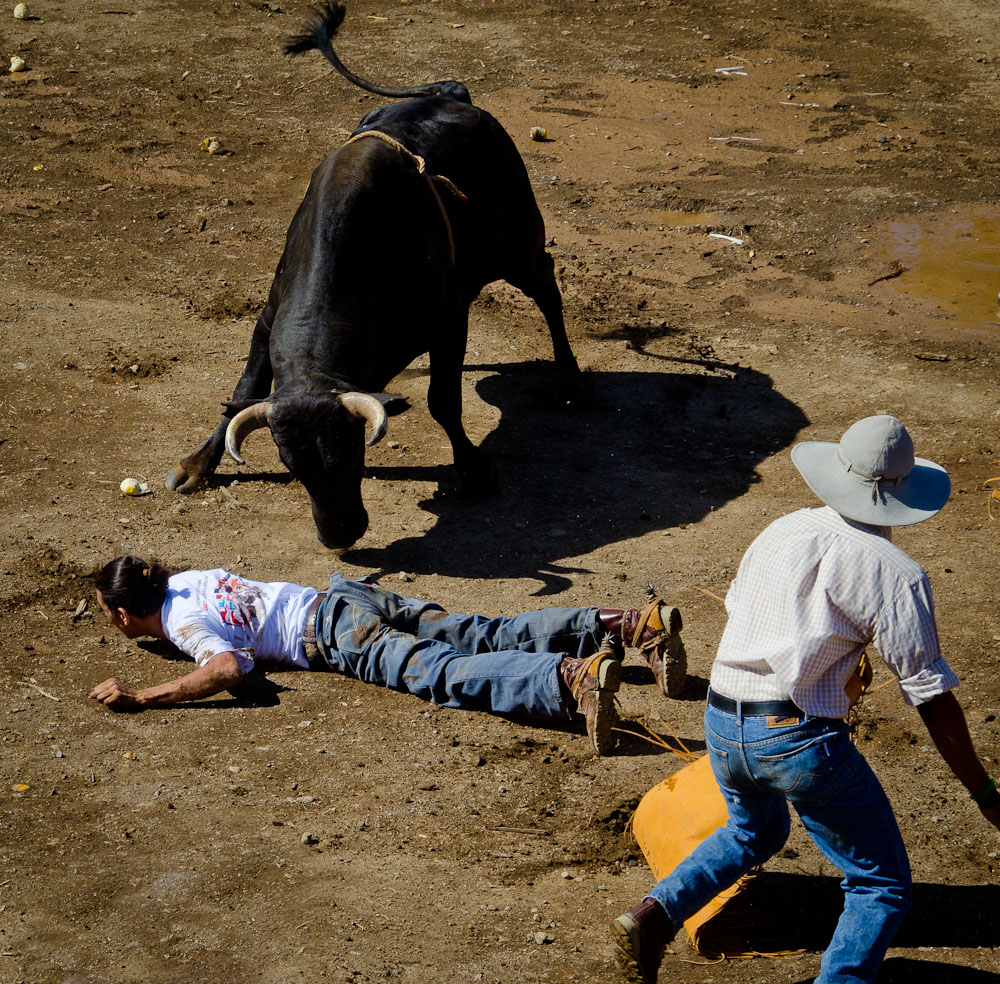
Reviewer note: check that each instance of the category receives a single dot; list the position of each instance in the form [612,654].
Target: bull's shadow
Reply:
[647,451]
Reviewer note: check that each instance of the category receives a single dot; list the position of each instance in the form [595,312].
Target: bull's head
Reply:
[320,438]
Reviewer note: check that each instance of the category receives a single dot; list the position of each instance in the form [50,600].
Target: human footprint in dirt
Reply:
[546,665]
[812,591]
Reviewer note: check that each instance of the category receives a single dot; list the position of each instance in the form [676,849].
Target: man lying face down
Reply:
[545,665]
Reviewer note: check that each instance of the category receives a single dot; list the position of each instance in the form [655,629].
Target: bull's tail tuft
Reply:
[322,26]
[318,35]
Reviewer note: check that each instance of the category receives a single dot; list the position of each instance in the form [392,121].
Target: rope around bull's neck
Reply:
[422,170]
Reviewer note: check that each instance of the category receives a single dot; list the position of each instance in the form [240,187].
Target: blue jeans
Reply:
[814,766]
[503,665]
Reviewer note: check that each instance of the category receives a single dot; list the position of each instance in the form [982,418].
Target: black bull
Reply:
[380,265]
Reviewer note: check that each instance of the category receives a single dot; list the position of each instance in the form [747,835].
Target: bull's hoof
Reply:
[184,481]
[573,388]
[480,482]
[566,389]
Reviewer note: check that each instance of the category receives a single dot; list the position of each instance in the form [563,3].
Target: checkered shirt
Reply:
[812,592]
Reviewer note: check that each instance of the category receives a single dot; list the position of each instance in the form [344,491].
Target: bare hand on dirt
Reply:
[117,697]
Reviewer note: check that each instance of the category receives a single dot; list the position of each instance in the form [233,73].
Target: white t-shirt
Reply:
[813,590]
[212,612]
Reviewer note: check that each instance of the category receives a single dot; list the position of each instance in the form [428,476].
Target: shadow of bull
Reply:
[641,452]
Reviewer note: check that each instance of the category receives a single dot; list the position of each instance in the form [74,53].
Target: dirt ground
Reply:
[316,828]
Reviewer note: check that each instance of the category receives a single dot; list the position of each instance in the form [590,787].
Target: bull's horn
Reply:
[249,419]
[366,407]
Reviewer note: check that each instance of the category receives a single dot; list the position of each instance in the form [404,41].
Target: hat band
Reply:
[876,480]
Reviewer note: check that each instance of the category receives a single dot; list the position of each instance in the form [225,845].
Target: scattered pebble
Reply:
[21,12]
[308,839]
[213,145]
[18,64]
[542,938]
[406,577]
[131,756]
[538,133]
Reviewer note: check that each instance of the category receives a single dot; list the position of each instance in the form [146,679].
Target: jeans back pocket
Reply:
[815,769]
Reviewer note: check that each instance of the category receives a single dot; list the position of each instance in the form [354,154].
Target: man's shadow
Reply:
[785,911]
[646,453]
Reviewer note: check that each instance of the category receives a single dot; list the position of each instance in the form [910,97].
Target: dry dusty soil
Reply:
[315,828]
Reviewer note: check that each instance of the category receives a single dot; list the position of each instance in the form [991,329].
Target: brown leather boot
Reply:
[655,630]
[593,683]
[640,936]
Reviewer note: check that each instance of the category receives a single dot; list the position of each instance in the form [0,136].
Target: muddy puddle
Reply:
[953,262]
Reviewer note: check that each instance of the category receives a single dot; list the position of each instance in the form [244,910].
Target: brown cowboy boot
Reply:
[655,630]
[593,682]
[640,936]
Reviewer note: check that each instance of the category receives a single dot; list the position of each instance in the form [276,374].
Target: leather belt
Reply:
[309,631]
[756,708]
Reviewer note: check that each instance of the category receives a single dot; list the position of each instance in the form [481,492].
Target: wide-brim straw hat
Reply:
[872,475]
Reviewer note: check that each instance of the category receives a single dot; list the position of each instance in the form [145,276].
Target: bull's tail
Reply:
[322,26]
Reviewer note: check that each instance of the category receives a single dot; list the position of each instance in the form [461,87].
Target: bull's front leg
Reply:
[477,471]
[192,472]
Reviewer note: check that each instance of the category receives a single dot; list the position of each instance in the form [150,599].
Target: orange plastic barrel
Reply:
[672,819]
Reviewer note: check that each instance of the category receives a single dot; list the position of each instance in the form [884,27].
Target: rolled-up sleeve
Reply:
[201,642]
[938,678]
[907,639]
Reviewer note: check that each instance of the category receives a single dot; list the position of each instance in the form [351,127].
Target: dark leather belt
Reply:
[756,708]
[309,631]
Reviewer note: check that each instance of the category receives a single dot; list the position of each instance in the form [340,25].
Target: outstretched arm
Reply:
[221,672]
[945,721]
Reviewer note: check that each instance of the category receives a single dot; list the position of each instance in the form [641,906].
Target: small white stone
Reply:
[21,12]
[18,64]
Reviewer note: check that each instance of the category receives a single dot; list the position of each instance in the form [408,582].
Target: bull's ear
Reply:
[235,406]
[394,403]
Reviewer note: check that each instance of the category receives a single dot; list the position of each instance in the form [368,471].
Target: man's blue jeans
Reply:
[504,665]
[815,767]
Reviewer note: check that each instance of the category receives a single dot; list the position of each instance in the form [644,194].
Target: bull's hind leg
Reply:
[539,283]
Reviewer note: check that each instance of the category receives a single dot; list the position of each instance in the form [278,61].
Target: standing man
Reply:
[545,665]
[814,589]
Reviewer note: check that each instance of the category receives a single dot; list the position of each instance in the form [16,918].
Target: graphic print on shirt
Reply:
[236,603]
